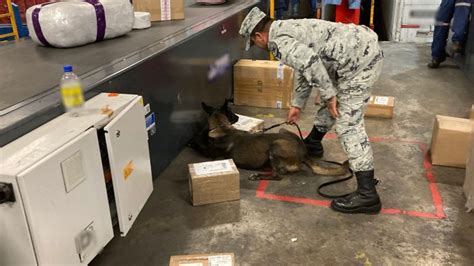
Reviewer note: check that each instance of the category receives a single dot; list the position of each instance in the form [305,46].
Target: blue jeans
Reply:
[280,7]
[460,10]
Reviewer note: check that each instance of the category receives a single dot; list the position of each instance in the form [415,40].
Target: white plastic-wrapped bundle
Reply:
[74,23]
[142,20]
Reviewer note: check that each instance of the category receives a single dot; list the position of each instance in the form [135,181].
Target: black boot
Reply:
[435,62]
[456,48]
[313,143]
[364,200]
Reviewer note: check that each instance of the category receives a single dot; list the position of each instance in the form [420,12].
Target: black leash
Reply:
[274,126]
[325,184]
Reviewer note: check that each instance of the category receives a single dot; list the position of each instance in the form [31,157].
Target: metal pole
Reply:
[372,8]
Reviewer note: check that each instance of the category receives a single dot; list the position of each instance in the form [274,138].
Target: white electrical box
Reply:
[54,207]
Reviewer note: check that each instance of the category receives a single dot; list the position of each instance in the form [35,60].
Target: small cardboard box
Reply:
[472,113]
[450,141]
[161,10]
[221,259]
[469,181]
[262,83]
[380,106]
[249,124]
[212,182]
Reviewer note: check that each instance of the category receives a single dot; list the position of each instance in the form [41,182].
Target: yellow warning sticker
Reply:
[128,170]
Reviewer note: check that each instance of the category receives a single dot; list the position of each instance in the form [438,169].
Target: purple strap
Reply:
[37,26]
[100,16]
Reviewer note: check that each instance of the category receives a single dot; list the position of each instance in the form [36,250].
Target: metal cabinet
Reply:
[54,207]
[129,163]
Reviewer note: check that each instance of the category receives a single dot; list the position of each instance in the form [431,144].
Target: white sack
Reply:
[74,23]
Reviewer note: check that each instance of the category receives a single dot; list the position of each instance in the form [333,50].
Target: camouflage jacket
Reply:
[324,53]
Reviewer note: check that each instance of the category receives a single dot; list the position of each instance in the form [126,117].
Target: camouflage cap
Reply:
[251,20]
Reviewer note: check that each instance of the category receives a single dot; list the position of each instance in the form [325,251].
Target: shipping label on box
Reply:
[451,141]
[380,106]
[249,124]
[212,182]
[222,259]
[263,83]
[161,10]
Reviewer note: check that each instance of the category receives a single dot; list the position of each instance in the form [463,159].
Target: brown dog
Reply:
[285,152]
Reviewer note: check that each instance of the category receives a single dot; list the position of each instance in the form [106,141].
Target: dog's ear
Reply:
[225,106]
[216,133]
[208,109]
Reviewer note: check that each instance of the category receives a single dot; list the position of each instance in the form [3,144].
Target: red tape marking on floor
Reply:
[435,195]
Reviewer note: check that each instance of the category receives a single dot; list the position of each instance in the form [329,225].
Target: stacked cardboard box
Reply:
[221,259]
[472,113]
[212,182]
[249,124]
[451,141]
[380,106]
[262,83]
[161,10]
[469,181]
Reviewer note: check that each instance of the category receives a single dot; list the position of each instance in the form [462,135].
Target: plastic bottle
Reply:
[71,91]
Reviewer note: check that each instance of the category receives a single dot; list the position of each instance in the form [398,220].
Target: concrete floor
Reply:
[259,231]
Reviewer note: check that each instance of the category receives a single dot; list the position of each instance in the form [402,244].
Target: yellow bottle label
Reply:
[72,96]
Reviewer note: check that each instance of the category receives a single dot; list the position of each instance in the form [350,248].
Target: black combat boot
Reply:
[313,143]
[364,200]
[435,62]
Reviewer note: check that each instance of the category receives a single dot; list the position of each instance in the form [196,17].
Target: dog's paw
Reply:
[254,177]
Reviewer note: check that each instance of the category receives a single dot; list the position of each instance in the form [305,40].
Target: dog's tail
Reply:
[320,169]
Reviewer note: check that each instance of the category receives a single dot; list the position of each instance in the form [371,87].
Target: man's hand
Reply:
[332,107]
[293,114]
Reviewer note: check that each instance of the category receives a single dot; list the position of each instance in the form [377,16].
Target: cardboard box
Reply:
[161,10]
[249,124]
[451,140]
[221,259]
[262,83]
[212,182]
[472,113]
[380,106]
[469,180]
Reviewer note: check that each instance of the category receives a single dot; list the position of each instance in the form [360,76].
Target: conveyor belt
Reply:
[30,73]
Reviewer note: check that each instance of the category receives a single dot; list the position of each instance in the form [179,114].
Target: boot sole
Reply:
[367,210]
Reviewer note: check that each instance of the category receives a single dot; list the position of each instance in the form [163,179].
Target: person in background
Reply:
[343,61]
[460,9]
[280,7]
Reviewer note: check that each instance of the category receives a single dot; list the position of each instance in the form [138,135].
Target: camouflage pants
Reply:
[353,96]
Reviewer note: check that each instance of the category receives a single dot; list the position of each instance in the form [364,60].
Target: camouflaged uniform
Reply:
[342,60]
